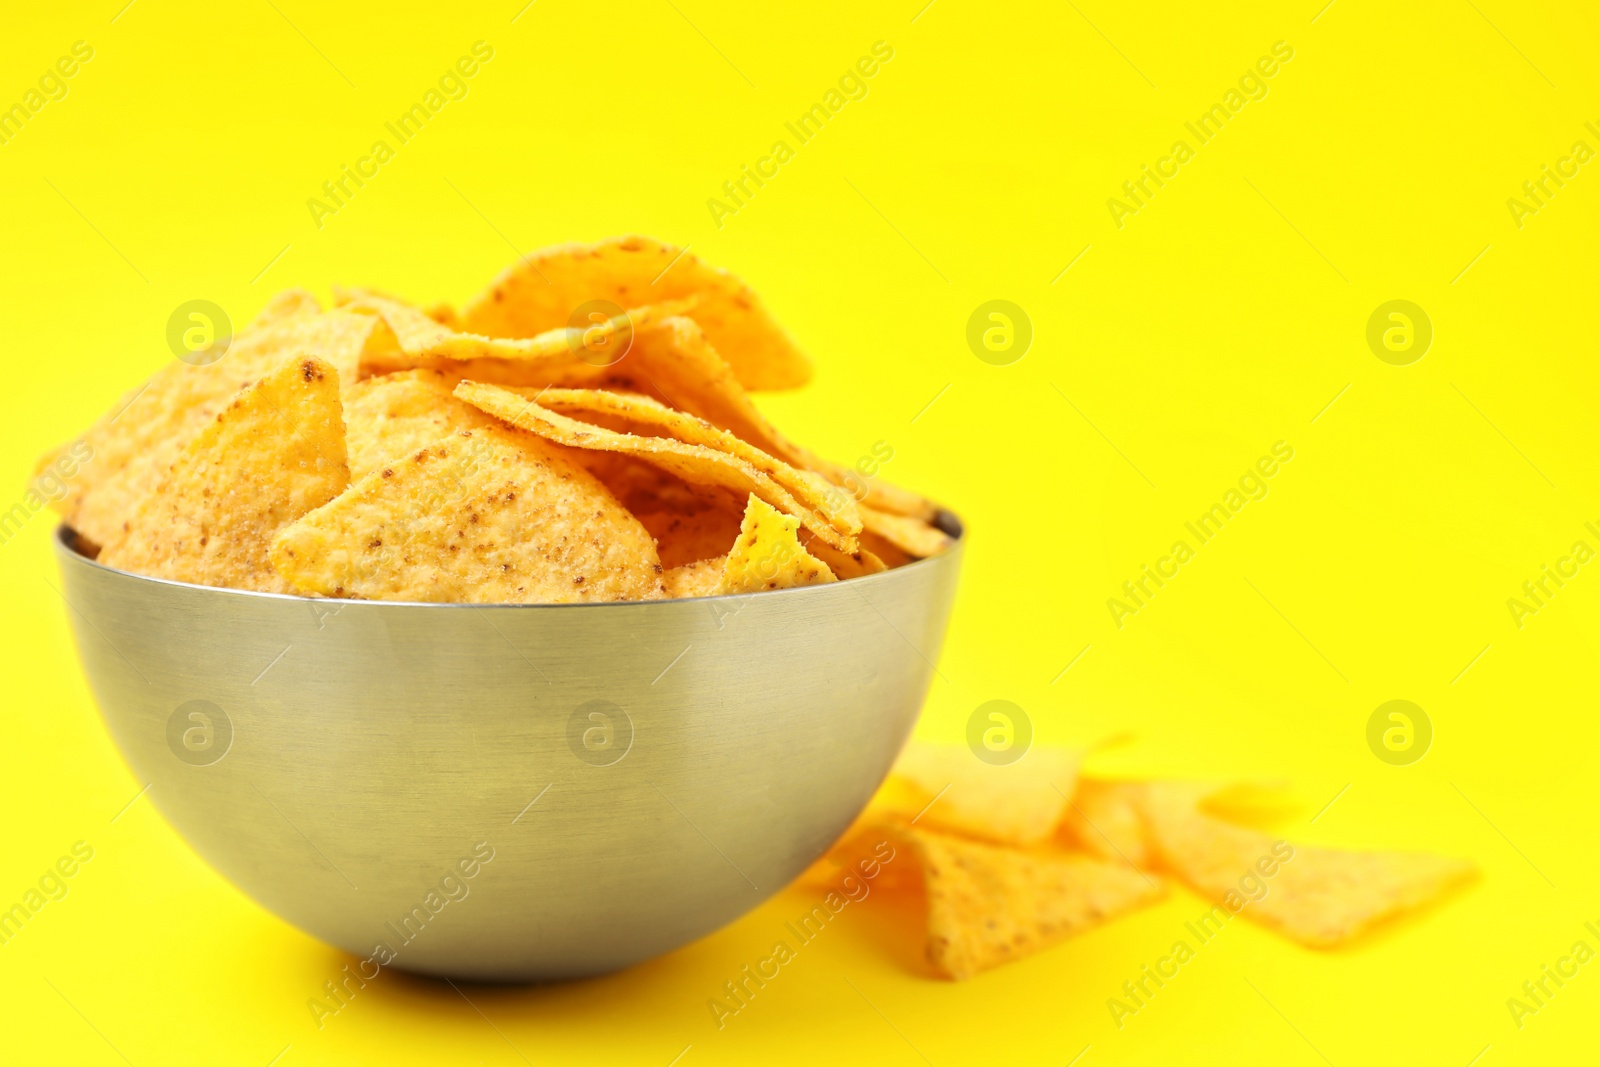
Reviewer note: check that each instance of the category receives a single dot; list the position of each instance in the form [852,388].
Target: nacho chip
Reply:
[690,537]
[693,463]
[141,437]
[272,455]
[855,564]
[391,417]
[483,516]
[767,554]
[673,361]
[700,578]
[910,535]
[1320,897]
[410,338]
[989,905]
[639,411]
[1105,819]
[289,304]
[1015,804]
[540,292]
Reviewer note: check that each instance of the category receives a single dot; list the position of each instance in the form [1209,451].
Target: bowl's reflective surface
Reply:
[509,792]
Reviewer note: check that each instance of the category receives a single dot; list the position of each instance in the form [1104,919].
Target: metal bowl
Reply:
[509,792]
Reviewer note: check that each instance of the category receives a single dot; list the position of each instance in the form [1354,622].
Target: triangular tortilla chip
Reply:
[289,304]
[767,554]
[693,463]
[541,290]
[272,455]
[643,412]
[1318,896]
[483,516]
[671,360]
[910,535]
[1016,804]
[989,905]
[1105,819]
[392,416]
[684,537]
[410,338]
[138,439]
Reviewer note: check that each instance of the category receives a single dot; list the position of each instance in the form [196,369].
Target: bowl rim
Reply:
[65,541]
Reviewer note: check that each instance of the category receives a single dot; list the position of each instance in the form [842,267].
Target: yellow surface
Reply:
[1229,313]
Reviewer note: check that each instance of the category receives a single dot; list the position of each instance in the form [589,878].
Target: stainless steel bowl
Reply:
[514,792]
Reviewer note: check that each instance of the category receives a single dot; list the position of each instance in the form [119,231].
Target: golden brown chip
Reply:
[672,360]
[483,516]
[289,304]
[542,290]
[693,463]
[391,417]
[1318,896]
[691,536]
[768,555]
[843,564]
[1104,819]
[137,440]
[272,455]
[642,412]
[700,578]
[910,535]
[989,904]
[1016,804]
[409,338]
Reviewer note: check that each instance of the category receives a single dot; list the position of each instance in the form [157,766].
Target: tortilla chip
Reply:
[483,516]
[1105,819]
[541,290]
[910,535]
[855,564]
[639,411]
[700,578]
[1015,804]
[693,463]
[767,554]
[287,305]
[390,417]
[989,905]
[410,339]
[672,360]
[444,315]
[690,537]
[275,453]
[141,437]
[1320,897]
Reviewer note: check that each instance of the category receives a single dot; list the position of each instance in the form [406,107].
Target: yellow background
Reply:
[1223,317]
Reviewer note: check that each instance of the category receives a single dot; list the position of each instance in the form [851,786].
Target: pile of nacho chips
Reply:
[581,431]
[1013,859]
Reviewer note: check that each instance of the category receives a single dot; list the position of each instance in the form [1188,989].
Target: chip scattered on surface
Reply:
[1318,896]
[272,455]
[603,387]
[1015,803]
[994,890]
[989,905]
